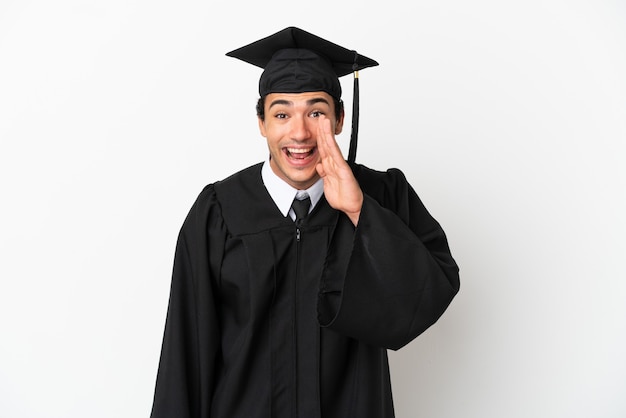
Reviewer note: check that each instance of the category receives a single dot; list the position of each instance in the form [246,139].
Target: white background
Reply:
[509,119]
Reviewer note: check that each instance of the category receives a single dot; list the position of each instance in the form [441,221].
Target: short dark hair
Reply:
[260,107]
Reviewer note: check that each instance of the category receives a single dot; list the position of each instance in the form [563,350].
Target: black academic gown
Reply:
[268,320]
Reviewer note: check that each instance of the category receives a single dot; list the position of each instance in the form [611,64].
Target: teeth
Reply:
[299,150]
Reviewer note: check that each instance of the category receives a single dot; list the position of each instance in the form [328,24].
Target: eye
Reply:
[280,115]
[316,113]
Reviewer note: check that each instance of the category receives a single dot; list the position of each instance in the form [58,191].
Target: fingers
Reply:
[321,140]
[327,145]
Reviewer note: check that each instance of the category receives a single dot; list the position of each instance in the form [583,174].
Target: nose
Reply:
[300,129]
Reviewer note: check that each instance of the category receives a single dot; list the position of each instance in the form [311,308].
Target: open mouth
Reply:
[299,153]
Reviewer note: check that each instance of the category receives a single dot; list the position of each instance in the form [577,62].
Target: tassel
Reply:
[355,114]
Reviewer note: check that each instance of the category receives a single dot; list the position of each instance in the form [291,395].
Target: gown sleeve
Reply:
[191,338]
[392,277]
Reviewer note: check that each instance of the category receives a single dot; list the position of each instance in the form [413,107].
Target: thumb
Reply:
[320,169]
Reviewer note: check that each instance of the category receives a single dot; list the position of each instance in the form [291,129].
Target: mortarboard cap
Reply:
[296,61]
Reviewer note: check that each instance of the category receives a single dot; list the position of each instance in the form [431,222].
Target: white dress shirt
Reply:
[283,194]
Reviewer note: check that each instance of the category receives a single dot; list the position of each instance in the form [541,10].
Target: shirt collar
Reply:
[283,194]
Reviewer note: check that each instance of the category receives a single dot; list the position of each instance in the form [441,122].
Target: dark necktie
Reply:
[301,208]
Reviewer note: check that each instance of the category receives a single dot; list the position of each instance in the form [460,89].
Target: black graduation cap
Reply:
[296,61]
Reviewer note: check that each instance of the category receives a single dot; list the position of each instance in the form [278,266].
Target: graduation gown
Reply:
[270,320]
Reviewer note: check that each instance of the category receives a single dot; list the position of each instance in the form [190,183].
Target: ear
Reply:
[261,127]
[339,123]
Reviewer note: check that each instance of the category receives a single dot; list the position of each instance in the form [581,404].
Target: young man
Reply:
[281,311]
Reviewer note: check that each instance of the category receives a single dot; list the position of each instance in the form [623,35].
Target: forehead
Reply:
[299,99]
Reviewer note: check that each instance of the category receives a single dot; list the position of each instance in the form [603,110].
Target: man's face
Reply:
[291,129]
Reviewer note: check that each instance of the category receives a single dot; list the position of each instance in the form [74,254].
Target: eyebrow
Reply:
[309,102]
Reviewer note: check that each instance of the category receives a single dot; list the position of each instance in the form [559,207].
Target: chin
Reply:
[303,182]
